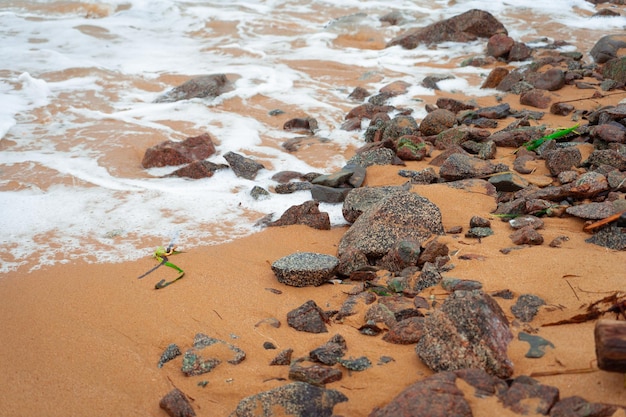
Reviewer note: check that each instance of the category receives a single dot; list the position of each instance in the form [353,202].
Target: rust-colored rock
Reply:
[171,153]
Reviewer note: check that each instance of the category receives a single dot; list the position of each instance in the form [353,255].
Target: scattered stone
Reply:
[242,166]
[470,330]
[283,358]
[204,86]
[433,250]
[592,211]
[537,345]
[259,193]
[432,80]
[202,341]
[377,156]
[297,399]
[357,365]
[302,269]
[171,351]
[558,241]
[197,169]
[437,121]
[330,352]
[307,213]
[499,45]
[465,27]
[494,112]
[526,235]
[405,332]
[456,284]
[508,182]
[453,105]
[527,396]
[362,199]
[526,307]
[578,407]
[171,153]
[535,98]
[505,294]
[561,109]
[526,220]
[564,159]
[477,221]
[615,69]
[428,277]
[495,77]
[551,80]
[194,364]
[317,375]
[412,148]
[307,124]
[461,166]
[292,187]
[176,404]
[479,232]
[308,318]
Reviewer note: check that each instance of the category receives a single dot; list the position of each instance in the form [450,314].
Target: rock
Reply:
[587,185]
[456,284]
[479,232]
[470,330]
[400,216]
[535,98]
[477,221]
[453,105]
[200,87]
[405,332]
[461,166]
[195,364]
[308,318]
[307,213]
[168,354]
[358,94]
[527,396]
[526,220]
[432,80]
[537,345]
[465,27]
[519,52]
[412,148]
[357,365]
[197,170]
[367,111]
[551,80]
[433,250]
[615,69]
[402,255]
[508,182]
[202,341]
[377,156]
[495,77]
[428,277]
[362,199]
[612,237]
[494,112]
[302,269]
[578,407]
[170,153]
[562,159]
[561,109]
[330,352]
[516,137]
[439,395]
[499,45]
[592,211]
[526,307]
[259,193]
[318,375]
[283,358]
[176,404]
[526,236]
[437,121]
[608,47]
[331,195]
[292,187]
[400,126]
[306,124]
[242,166]
[297,399]
[609,133]
[607,157]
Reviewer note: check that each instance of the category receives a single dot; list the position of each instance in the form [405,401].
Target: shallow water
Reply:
[78,81]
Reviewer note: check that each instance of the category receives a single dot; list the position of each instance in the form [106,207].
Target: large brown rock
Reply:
[307,213]
[608,47]
[465,27]
[171,153]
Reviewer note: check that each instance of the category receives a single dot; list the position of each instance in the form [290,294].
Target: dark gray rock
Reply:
[308,318]
[494,112]
[242,166]
[551,80]
[176,404]
[171,351]
[306,124]
[508,182]
[297,399]
[330,352]
[432,80]
[461,166]
[356,364]
[526,307]
[607,157]
[202,341]
[470,330]
[563,159]
[578,407]
[259,193]
[302,269]
[400,216]
[615,69]
[612,237]
[456,284]
[402,255]
[461,28]
[283,358]
[292,187]
[205,86]
[325,194]
[195,364]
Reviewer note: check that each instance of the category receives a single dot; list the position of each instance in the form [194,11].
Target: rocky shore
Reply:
[476,237]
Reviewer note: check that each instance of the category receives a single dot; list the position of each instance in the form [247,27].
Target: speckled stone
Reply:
[303,269]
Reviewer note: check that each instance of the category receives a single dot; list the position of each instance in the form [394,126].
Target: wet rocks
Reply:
[204,86]
[608,47]
[176,404]
[171,153]
[465,27]
[308,318]
[197,170]
[303,269]
[297,399]
[242,166]
[400,216]
[307,213]
[470,330]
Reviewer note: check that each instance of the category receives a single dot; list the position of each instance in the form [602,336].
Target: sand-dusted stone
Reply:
[176,404]
[465,27]
[437,121]
[562,159]
[526,236]
[297,399]
[528,396]
[375,156]
[508,182]
[439,395]
[307,213]
[283,358]
[579,407]
[610,157]
[401,216]
[400,126]
[362,199]
[200,87]
[535,98]
[470,330]
[608,47]
[197,170]
[302,269]
[171,351]
[592,211]
[526,307]
[405,332]
[171,153]
[308,318]
[330,352]
[316,374]
[432,250]
[462,166]
[243,167]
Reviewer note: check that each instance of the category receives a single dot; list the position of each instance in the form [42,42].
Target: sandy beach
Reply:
[83,339]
